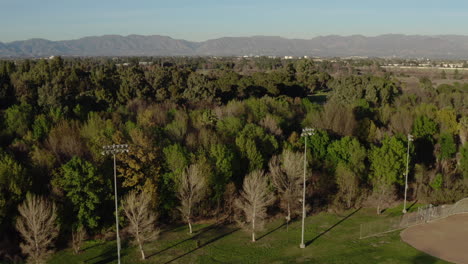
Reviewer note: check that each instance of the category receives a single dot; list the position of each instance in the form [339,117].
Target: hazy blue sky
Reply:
[205,19]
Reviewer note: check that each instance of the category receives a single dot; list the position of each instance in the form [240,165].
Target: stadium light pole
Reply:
[305,133]
[410,138]
[113,150]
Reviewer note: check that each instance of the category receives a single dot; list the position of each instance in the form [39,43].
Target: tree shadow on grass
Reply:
[424,259]
[271,231]
[197,234]
[108,254]
[411,206]
[331,227]
[204,244]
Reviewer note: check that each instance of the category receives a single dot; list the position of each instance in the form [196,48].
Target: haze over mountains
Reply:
[392,45]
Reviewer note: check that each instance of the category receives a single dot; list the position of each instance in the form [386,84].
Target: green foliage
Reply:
[226,115]
[318,144]
[18,119]
[83,187]
[447,146]
[377,90]
[176,157]
[447,119]
[437,182]
[230,126]
[388,162]
[256,146]
[223,163]
[14,183]
[198,88]
[41,127]
[425,128]
[97,131]
[349,152]
[178,127]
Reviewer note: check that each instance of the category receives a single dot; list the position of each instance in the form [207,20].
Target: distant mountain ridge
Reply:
[391,45]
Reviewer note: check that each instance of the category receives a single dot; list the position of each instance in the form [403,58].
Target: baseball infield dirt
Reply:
[446,238]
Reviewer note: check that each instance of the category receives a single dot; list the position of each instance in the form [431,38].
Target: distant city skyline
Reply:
[209,19]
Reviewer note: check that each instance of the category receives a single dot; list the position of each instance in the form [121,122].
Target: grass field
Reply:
[330,238]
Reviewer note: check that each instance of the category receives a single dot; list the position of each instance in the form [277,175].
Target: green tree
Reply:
[256,146]
[447,146]
[176,159]
[447,119]
[318,144]
[223,163]
[437,182]
[7,92]
[18,119]
[14,183]
[40,127]
[387,167]
[83,187]
[349,152]
[425,128]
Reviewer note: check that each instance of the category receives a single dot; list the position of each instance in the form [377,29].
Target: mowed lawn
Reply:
[330,238]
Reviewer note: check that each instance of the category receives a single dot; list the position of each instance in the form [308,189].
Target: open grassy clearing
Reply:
[330,238]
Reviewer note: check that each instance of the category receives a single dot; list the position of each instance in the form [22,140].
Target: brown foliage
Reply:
[254,199]
[270,125]
[191,191]
[65,141]
[37,227]
[337,118]
[141,219]
[286,175]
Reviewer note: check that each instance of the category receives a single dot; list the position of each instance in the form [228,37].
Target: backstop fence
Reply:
[424,214]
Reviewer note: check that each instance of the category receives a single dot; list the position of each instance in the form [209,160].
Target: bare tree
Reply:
[254,199]
[141,218]
[190,191]
[348,185]
[78,236]
[286,175]
[37,227]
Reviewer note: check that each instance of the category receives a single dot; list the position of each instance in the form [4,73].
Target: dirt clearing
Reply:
[446,238]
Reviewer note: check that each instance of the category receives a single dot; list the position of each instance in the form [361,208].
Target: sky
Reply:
[199,20]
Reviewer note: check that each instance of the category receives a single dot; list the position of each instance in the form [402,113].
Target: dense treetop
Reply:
[228,117]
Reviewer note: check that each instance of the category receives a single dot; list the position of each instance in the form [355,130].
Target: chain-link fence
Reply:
[424,214]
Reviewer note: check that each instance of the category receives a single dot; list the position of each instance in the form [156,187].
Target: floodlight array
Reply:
[307,132]
[114,149]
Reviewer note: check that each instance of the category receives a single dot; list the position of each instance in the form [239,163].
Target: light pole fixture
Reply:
[306,132]
[410,138]
[113,150]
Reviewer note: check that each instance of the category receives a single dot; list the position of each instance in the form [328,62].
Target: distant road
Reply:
[423,68]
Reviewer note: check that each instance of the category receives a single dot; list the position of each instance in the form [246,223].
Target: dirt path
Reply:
[446,238]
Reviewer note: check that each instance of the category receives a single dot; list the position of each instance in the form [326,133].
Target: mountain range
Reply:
[391,45]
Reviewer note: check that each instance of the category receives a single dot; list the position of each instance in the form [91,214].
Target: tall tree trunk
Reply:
[141,250]
[288,218]
[190,226]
